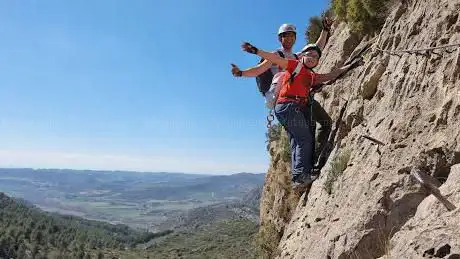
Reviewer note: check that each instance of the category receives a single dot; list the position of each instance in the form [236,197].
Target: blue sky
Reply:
[136,85]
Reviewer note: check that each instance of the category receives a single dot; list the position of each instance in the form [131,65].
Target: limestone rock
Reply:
[433,228]
[411,103]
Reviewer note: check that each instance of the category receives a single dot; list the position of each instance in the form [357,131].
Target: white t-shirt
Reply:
[289,55]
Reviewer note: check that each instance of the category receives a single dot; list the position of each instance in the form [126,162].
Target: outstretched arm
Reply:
[321,42]
[272,57]
[323,37]
[253,71]
[321,78]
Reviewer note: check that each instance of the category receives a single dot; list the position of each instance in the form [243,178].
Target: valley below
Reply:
[145,201]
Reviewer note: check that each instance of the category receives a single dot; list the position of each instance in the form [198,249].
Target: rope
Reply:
[418,50]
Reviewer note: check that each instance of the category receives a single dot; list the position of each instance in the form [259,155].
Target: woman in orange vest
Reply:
[291,108]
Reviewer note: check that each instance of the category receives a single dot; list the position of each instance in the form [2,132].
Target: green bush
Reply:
[274,133]
[358,17]
[27,229]
[376,8]
[315,27]
[338,165]
[277,134]
[267,241]
[363,16]
[340,9]
[313,30]
[222,239]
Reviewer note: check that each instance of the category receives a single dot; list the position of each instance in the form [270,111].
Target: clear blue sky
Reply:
[136,85]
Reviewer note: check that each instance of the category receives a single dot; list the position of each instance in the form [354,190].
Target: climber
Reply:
[287,38]
[287,35]
[292,109]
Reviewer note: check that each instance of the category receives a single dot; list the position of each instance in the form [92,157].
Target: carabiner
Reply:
[270,119]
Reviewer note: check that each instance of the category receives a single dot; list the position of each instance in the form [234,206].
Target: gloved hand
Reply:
[236,71]
[246,46]
[326,23]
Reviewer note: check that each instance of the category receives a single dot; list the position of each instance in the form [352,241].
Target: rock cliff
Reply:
[365,203]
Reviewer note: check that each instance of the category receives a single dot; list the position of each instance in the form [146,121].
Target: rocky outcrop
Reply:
[433,231]
[411,103]
[278,200]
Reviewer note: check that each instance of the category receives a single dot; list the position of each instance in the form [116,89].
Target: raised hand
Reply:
[236,71]
[326,23]
[246,46]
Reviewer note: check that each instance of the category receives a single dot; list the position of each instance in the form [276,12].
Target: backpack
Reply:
[264,80]
[272,94]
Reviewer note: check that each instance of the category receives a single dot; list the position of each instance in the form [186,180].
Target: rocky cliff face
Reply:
[410,101]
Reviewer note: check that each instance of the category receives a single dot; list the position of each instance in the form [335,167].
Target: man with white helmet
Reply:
[287,36]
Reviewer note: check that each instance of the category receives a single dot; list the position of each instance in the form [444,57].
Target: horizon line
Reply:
[121,171]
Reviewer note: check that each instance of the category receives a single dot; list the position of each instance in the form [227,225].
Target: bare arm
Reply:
[323,37]
[326,24]
[257,70]
[321,42]
[321,78]
[273,58]
[253,71]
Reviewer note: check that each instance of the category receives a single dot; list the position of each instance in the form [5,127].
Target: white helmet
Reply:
[286,28]
[312,46]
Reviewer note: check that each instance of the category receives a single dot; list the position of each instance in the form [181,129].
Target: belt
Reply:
[295,98]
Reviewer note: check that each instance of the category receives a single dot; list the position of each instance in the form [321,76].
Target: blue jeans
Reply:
[297,122]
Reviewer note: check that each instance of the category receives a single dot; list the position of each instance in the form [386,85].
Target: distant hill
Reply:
[140,200]
[26,231]
[218,187]
[210,214]
[127,185]
[252,198]
[245,209]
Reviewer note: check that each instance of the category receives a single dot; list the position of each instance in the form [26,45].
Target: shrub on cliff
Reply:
[363,16]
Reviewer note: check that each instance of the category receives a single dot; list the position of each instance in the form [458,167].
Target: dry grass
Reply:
[384,241]
[338,165]
[267,241]
[285,147]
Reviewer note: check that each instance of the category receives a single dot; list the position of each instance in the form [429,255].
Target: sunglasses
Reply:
[310,53]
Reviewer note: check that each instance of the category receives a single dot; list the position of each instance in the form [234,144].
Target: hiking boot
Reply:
[315,172]
[303,182]
[298,188]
